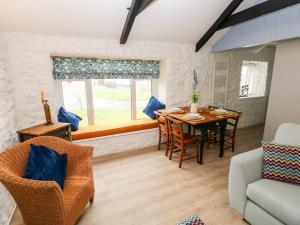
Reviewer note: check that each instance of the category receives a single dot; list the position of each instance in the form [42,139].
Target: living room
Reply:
[130,73]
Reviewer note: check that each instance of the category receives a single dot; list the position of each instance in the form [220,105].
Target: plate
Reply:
[192,116]
[220,111]
[175,110]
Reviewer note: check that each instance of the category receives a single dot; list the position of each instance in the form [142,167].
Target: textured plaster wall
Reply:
[7,130]
[25,69]
[284,103]
[29,69]
[122,142]
[253,109]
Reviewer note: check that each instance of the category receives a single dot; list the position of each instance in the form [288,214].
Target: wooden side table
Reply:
[62,130]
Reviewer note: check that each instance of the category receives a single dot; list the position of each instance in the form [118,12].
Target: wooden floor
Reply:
[145,188]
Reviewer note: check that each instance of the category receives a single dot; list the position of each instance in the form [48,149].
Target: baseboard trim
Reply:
[124,154]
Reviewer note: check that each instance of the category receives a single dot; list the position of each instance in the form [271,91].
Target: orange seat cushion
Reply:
[105,130]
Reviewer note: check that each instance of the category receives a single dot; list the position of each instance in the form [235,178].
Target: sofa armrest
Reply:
[244,169]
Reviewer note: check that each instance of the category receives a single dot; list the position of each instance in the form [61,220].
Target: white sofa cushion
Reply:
[288,134]
[281,200]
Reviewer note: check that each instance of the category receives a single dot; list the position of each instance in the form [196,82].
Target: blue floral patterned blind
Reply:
[94,68]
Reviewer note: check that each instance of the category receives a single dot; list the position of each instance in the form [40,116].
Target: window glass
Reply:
[75,98]
[253,79]
[143,94]
[112,101]
[107,101]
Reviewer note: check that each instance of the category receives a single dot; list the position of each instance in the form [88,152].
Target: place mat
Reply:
[171,112]
[220,114]
[194,119]
[205,110]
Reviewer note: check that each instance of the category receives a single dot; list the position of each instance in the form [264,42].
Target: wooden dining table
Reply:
[208,121]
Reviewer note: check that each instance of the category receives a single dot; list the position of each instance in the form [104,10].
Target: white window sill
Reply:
[252,97]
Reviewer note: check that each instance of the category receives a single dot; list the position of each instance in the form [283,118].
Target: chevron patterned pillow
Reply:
[192,220]
[281,162]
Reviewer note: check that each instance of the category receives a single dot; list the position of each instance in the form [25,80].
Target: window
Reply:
[74,98]
[107,101]
[111,100]
[253,79]
[143,94]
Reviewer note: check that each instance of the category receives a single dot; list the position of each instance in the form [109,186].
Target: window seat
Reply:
[95,131]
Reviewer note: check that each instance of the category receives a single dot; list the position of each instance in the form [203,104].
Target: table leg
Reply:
[69,133]
[202,140]
[189,129]
[223,124]
[20,138]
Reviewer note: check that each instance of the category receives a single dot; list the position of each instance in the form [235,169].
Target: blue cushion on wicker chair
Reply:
[46,164]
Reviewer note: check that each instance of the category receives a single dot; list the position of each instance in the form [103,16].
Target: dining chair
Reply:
[163,131]
[181,142]
[230,132]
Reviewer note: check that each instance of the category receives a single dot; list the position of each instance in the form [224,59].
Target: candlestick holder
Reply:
[47,112]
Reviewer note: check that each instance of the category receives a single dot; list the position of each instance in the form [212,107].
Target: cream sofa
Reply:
[262,201]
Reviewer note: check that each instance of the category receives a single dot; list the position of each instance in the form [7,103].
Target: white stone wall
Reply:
[25,69]
[253,109]
[7,131]
[122,142]
[29,69]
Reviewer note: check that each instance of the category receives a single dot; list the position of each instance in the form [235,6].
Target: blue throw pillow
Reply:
[46,164]
[68,117]
[152,106]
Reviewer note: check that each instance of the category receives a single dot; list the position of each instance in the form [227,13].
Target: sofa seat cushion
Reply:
[76,193]
[279,199]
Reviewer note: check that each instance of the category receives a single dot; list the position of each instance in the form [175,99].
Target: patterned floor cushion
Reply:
[192,220]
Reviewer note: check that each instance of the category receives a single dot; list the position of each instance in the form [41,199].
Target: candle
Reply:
[42,94]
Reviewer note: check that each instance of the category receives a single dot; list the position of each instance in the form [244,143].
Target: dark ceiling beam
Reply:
[144,5]
[227,12]
[137,6]
[133,10]
[256,11]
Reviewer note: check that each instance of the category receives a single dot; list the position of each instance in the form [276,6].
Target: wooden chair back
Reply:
[176,131]
[232,123]
[162,122]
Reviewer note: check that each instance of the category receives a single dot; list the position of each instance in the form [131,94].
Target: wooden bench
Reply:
[106,130]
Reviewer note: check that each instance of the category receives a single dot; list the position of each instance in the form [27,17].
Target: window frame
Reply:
[89,96]
[249,77]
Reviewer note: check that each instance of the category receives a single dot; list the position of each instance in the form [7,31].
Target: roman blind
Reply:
[95,68]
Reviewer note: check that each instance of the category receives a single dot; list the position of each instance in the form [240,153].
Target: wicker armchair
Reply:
[43,202]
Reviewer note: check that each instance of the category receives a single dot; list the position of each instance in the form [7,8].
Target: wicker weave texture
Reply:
[43,202]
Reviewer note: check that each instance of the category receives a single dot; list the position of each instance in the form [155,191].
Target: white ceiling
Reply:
[183,21]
